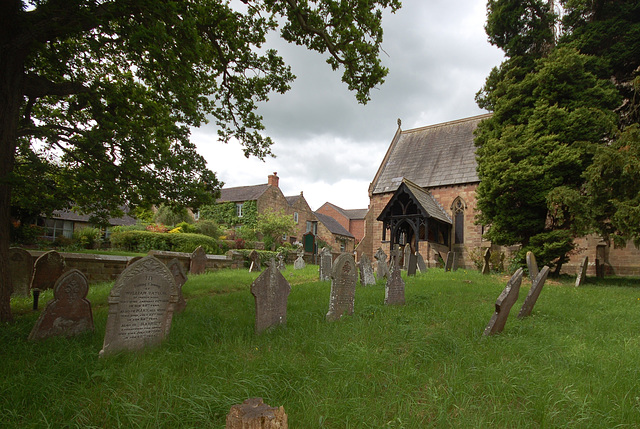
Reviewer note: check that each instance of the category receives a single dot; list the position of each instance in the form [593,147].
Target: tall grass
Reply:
[574,363]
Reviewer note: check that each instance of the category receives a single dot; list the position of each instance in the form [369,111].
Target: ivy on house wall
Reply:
[225,214]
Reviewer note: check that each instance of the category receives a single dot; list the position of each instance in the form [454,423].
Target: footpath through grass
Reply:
[574,363]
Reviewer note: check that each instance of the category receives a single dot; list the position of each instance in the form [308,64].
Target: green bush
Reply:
[143,241]
[208,227]
[122,228]
[87,238]
[187,228]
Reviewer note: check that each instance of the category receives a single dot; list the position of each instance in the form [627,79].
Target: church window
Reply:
[458,221]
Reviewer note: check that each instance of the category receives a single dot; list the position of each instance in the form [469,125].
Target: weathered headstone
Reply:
[422,266]
[486,269]
[133,259]
[449,263]
[141,305]
[504,303]
[534,292]
[69,313]
[532,264]
[254,261]
[299,263]
[47,270]
[395,256]
[280,261]
[271,291]
[20,271]
[582,272]
[413,265]
[198,263]
[366,271]
[325,264]
[394,288]
[180,277]
[405,257]
[343,287]
[454,264]
[255,414]
[382,268]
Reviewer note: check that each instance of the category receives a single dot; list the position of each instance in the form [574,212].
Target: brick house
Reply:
[437,164]
[351,220]
[334,234]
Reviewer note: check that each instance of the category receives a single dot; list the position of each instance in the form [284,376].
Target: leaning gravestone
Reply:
[582,273]
[271,291]
[254,260]
[504,303]
[532,264]
[422,266]
[325,264]
[47,270]
[485,265]
[198,263]
[141,305]
[534,292]
[394,288]
[69,313]
[449,264]
[20,271]
[343,287]
[180,278]
[382,268]
[366,271]
[405,257]
[299,263]
[413,265]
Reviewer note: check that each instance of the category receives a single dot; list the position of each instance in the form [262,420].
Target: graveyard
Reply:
[421,362]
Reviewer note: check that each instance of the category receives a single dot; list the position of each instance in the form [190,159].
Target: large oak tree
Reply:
[97,96]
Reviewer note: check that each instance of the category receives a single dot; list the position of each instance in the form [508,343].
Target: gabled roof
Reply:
[242,193]
[352,214]
[427,205]
[75,217]
[332,225]
[437,155]
[291,200]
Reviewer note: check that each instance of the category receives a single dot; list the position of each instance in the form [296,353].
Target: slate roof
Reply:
[242,193]
[333,225]
[426,200]
[75,217]
[291,200]
[437,155]
[352,214]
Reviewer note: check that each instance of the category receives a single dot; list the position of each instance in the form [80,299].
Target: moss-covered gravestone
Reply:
[271,291]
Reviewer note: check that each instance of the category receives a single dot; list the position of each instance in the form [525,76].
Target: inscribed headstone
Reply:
[69,312]
[180,278]
[382,268]
[271,291]
[254,261]
[413,265]
[449,263]
[20,271]
[532,264]
[141,305]
[198,263]
[422,266]
[485,265]
[406,255]
[325,264]
[394,288]
[47,270]
[366,271]
[582,272]
[343,287]
[504,303]
[534,292]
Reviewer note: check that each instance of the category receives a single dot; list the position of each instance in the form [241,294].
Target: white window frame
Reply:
[239,209]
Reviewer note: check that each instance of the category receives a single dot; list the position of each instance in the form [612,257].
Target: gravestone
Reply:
[394,288]
[198,263]
[534,292]
[299,263]
[449,263]
[325,264]
[255,414]
[47,270]
[422,266]
[582,272]
[271,291]
[504,303]
[406,255]
[280,261]
[69,312]
[180,278]
[366,271]
[382,268]
[20,271]
[394,258]
[133,259]
[486,269]
[254,261]
[141,305]
[532,264]
[413,265]
[343,287]
[454,264]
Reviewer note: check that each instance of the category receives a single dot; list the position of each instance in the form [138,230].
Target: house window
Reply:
[196,215]
[54,228]
[312,227]
[239,209]
[458,220]
[295,217]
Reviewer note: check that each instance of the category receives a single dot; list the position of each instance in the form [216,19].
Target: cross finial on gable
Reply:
[399,122]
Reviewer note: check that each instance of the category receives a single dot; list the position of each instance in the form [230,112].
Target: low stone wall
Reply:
[106,268]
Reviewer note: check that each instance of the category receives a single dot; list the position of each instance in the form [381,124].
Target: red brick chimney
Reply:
[273,179]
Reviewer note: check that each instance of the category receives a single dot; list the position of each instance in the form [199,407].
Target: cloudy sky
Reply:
[329,146]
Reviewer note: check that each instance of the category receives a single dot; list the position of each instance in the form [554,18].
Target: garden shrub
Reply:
[143,241]
[87,238]
[208,227]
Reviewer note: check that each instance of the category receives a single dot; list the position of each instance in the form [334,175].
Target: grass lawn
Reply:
[575,362]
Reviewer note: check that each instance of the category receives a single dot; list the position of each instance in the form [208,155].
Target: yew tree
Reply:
[97,96]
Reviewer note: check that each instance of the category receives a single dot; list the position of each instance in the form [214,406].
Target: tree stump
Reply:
[255,414]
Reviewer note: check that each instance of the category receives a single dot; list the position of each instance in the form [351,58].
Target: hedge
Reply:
[143,241]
